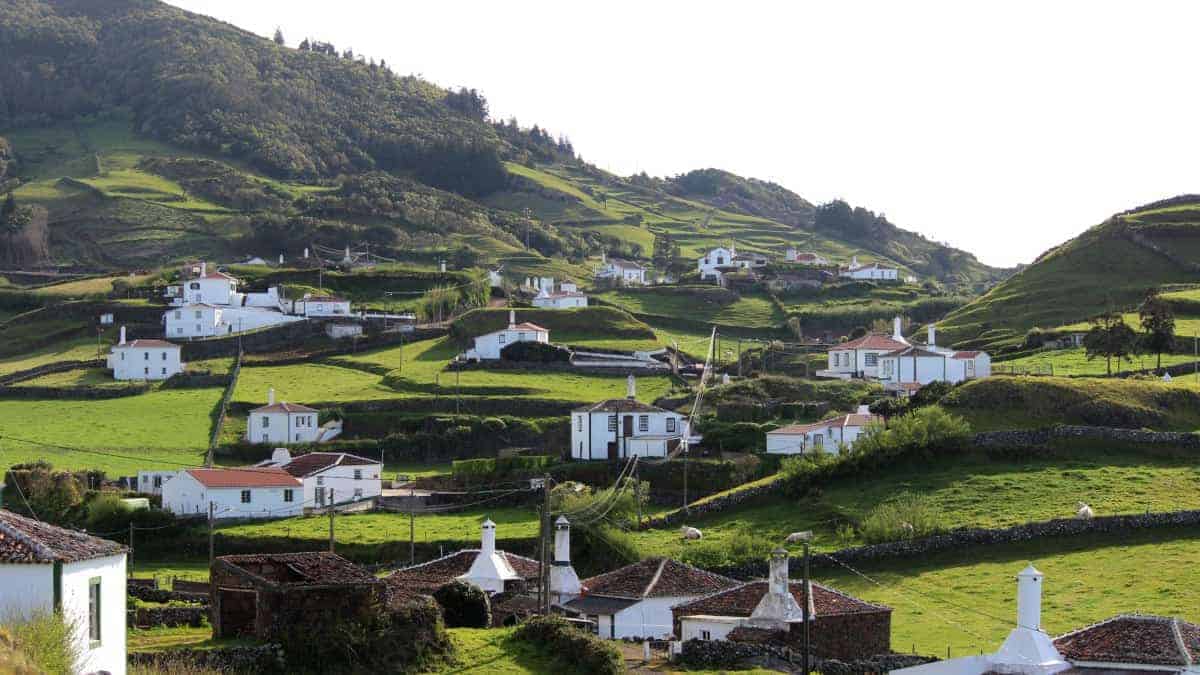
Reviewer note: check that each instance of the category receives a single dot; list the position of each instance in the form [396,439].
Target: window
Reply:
[320,480]
[94,611]
[266,421]
[818,440]
[358,493]
[178,314]
[520,337]
[705,635]
[195,285]
[579,423]
[122,356]
[288,495]
[198,314]
[720,260]
[145,371]
[145,356]
[358,474]
[670,425]
[297,437]
[164,371]
[870,359]
[500,338]
[888,364]
[179,330]
[245,496]
[643,423]
[145,479]
[164,356]
[197,328]
[612,422]
[158,481]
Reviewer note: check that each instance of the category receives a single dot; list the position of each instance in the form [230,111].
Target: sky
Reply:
[1002,128]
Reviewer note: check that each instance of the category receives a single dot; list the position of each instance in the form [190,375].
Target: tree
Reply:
[1158,322]
[304,45]
[279,37]
[1111,338]
[858,332]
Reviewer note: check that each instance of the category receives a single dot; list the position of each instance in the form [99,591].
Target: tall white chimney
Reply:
[442,266]
[564,582]
[306,253]
[488,545]
[562,541]
[931,340]
[122,336]
[1027,649]
[1029,598]
[630,387]
[512,318]
[203,269]
[897,333]
[280,258]
[281,456]
[778,606]
[270,395]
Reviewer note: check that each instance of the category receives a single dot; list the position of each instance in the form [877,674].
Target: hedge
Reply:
[582,652]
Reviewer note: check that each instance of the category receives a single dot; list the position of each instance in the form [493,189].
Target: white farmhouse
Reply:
[489,345]
[635,601]
[205,320]
[914,366]
[624,427]
[331,477]
[874,271]
[284,423]
[249,492]
[208,285]
[151,482]
[824,436]
[710,264]
[860,357]
[624,272]
[44,569]
[322,306]
[144,359]
[559,299]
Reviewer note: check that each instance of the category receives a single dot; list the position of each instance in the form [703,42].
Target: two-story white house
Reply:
[624,272]
[205,320]
[825,436]
[624,427]
[206,284]
[860,357]
[284,423]
[144,359]
[44,569]
[709,265]
[246,492]
[331,477]
[489,345]
[874,271]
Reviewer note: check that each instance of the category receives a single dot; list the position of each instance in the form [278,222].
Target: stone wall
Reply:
[150,617]
[714,505]
[723,654]
[82,392]
[49,368]
[1037,437]
[847,636]
[263,659]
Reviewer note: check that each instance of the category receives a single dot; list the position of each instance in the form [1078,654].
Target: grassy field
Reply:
[378,528]
[1074,362]
[967,599]
[80,349]
[968,491]
[97,286]
[159,429]
[751,311]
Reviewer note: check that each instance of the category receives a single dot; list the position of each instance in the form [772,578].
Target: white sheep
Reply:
[908,529]
[1085,512]
[798,537]
[690,533]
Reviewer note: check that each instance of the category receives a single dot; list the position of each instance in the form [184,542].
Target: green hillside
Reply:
[1111,265]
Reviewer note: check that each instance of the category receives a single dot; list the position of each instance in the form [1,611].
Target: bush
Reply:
[889,407]
[742,547]
[583,652]
[46,640]
[926,429]
[907,516]
[930,394]
[464,605]
[535,352]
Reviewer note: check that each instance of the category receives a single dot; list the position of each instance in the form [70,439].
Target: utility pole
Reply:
[412,528]
[437,388]
[541,556]
[130,565]
[211,547]
[685,471]
[739,357]
[547,545]
[331,520]
[807,600]
[637,491]
[457,372]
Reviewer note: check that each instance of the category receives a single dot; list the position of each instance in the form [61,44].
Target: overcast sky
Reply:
[1001,128]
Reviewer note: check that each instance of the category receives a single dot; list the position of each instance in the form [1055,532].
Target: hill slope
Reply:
[1111,265]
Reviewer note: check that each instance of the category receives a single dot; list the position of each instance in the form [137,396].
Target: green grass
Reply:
[750,311]
[379,528]
[493,650]
[1074,361]
[80,349]
[82,377]
[162,428]
[164,571]
[967,599]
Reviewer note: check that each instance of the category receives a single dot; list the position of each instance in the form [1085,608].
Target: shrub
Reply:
[583,652]
[464,605]
[926,429]
[12,659]
[535,352]
[741,547]
[888,407]
[930,394]
[46,639]
[907,516]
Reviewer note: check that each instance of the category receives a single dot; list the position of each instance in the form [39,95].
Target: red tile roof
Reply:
[529,326]
[850,420]
[967,354]
[28,541]
[872,341]
[1134,639]
[146,343]
[247,477]
[293,569]
[624,405]
[910,350]
[284,407]
[314,462]
[656,578]
[741,601]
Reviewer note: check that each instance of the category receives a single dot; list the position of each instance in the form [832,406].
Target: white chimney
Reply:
[932,335]
[864,410]
[603,257]
[512,318]
[488,544]
[1027,649]
[778,606]
[564,582]
[270,395]
[442,266]
[203,269]
[122,336]
[897,332]
[1029,598]
[630,387]
[281,456]
[854,261]
[306,253]
[280,258]
[562,541]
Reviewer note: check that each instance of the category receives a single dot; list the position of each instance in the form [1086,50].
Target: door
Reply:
[612,450]
[627,426]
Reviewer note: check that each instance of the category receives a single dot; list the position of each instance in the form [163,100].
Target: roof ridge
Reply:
[40,550]
[1179,643]
[654,580]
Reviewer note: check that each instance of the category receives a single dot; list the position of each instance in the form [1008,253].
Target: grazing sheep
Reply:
[797,537]
[690,533]
[908,529]
[1085,512]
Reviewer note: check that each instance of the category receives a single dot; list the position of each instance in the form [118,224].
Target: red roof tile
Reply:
[624,405]
[247,477]
[741,601]
[656,578]
[291,569]
[284,407]
[28,541]
[314,462]
[873,341]
[916,351]
[146,343]
[967,354]
[1134,639]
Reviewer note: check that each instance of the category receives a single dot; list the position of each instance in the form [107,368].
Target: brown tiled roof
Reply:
[27,541]
[146,343]
[427,577]
[741,601]
[268,476]
[967,354]
[1134,639]
[307,465]
[915,351]
[525,325]
[850,420]
[656,578]
[873,341]
[316,567]
[284,407]
[620,405]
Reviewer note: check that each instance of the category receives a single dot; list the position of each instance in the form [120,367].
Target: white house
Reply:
[710,264]
[635,601]
[488,346]
[151,482]
[625,272]
[44,568]
[284,423]
[331,477]
[914,366]
[144,359]
[624,427]
[873,271]
[860,357]
[559,299]
[749,261]
[1127,643]
[824,436]
[322,306]
[205,320]
[805,257]
[208,285]
[248,492]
